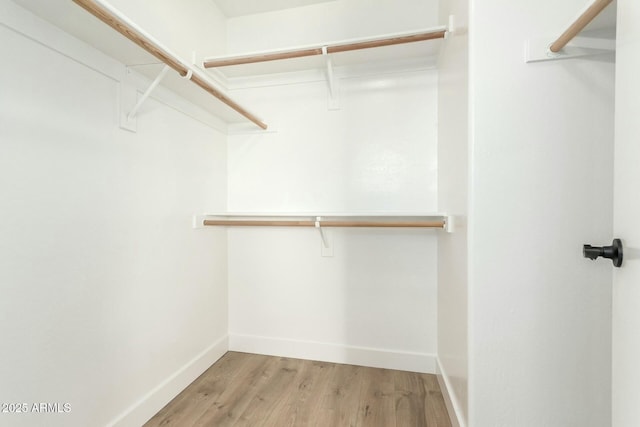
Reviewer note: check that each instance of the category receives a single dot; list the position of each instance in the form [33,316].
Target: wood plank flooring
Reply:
[252,390]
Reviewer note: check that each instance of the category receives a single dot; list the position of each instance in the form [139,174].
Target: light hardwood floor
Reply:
[252,390]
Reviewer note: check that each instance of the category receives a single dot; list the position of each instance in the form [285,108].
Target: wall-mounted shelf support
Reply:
[568,44]
[331,81]
[326,250]
[537,50]
[134,111]
[318,225]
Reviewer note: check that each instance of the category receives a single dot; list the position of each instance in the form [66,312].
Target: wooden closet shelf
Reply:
[121,24]
[320,221]
[593,10]
[355,223]
[326,49]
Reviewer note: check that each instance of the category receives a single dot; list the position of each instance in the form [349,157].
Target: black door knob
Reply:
[613,252]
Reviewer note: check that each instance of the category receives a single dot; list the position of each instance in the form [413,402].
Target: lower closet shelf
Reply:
[387,220]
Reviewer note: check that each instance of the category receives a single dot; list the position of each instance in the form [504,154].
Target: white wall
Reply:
[111,302]
[195,25]
[453,165]
[378,152]
[181,27]
[541,186]
[374,301]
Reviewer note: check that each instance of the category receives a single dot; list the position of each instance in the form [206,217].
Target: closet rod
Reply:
[587,16]
[326,223]
[313,51]
[121,24]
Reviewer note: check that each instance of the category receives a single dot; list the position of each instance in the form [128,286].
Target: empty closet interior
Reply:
[182,179]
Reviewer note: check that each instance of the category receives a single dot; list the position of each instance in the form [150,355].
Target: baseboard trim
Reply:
[157,398]
[335,353]
[453,408]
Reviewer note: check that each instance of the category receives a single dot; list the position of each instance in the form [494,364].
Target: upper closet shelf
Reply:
[130,30]
[418,46]
[591,33]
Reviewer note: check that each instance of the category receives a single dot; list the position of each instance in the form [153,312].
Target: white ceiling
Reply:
[232,8]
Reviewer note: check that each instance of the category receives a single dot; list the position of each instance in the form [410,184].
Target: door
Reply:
[626,280]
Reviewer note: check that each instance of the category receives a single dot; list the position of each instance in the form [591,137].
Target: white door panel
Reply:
[626,280]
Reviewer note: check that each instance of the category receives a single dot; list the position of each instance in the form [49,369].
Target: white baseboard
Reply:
[335,353]
[453,408]
[156,399]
